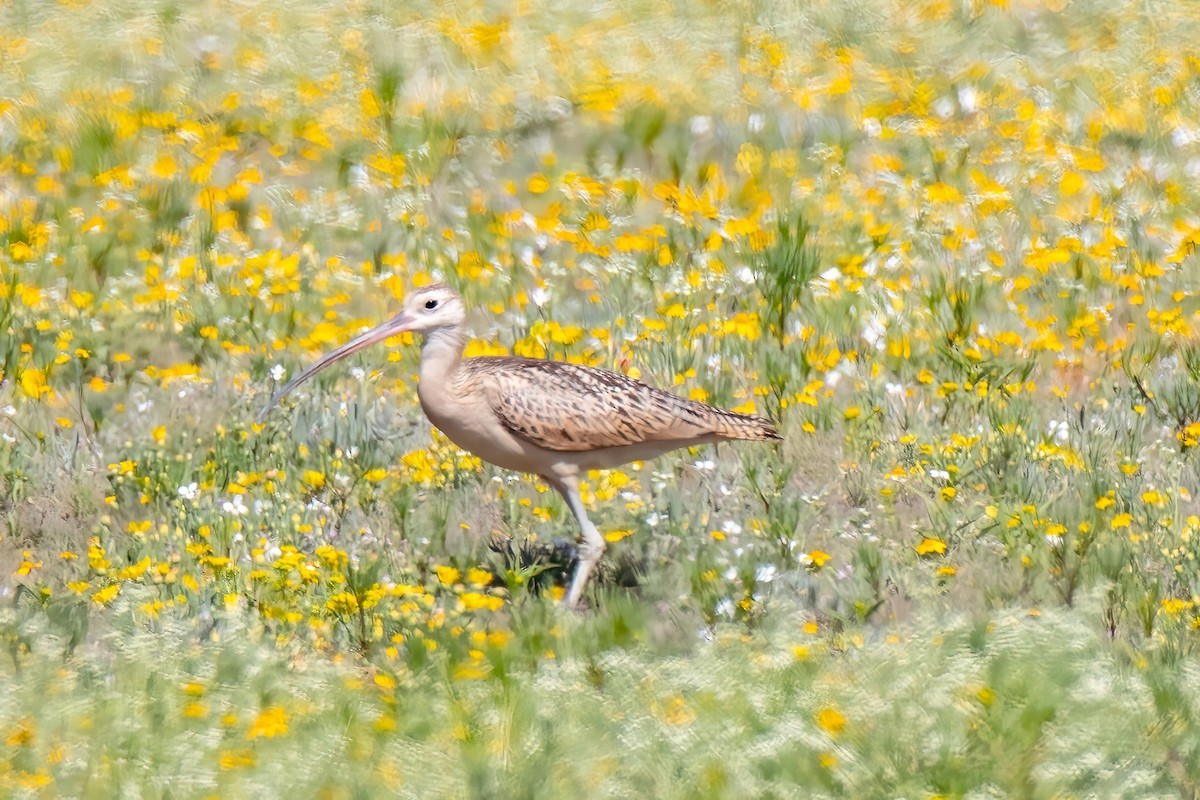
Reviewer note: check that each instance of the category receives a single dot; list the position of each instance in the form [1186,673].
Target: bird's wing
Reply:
[570,407]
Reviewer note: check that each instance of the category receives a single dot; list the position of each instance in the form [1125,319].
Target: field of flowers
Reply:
[949,245]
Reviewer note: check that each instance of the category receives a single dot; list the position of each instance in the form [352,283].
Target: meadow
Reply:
[949,246]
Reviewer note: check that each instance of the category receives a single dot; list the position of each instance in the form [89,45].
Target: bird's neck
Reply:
[441,353]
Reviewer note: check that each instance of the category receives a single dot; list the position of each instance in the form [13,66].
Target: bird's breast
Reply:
[472,425]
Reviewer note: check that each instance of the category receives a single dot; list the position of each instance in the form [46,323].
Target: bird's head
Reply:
[429,311]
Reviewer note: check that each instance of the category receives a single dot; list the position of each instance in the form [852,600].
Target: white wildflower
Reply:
[765,573]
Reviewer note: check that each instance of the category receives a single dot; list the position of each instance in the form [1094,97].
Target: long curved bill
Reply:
[393,327]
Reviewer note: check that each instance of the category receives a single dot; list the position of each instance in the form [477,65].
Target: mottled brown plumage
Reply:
[550,418]
[562,406]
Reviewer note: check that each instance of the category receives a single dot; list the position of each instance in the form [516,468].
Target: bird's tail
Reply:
[731,425]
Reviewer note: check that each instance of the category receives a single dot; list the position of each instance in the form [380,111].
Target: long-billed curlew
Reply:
[550,418]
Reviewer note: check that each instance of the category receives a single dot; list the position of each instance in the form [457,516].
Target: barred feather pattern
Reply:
[571,407]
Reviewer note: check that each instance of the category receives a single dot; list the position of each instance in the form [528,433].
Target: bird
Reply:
[553,419]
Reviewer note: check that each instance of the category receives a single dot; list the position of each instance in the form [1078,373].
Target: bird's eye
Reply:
[431,304]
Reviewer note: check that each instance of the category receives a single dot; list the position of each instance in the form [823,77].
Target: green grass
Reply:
[949,247]
[1014,705]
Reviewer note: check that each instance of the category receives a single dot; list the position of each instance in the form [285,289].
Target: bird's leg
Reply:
[591,543]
